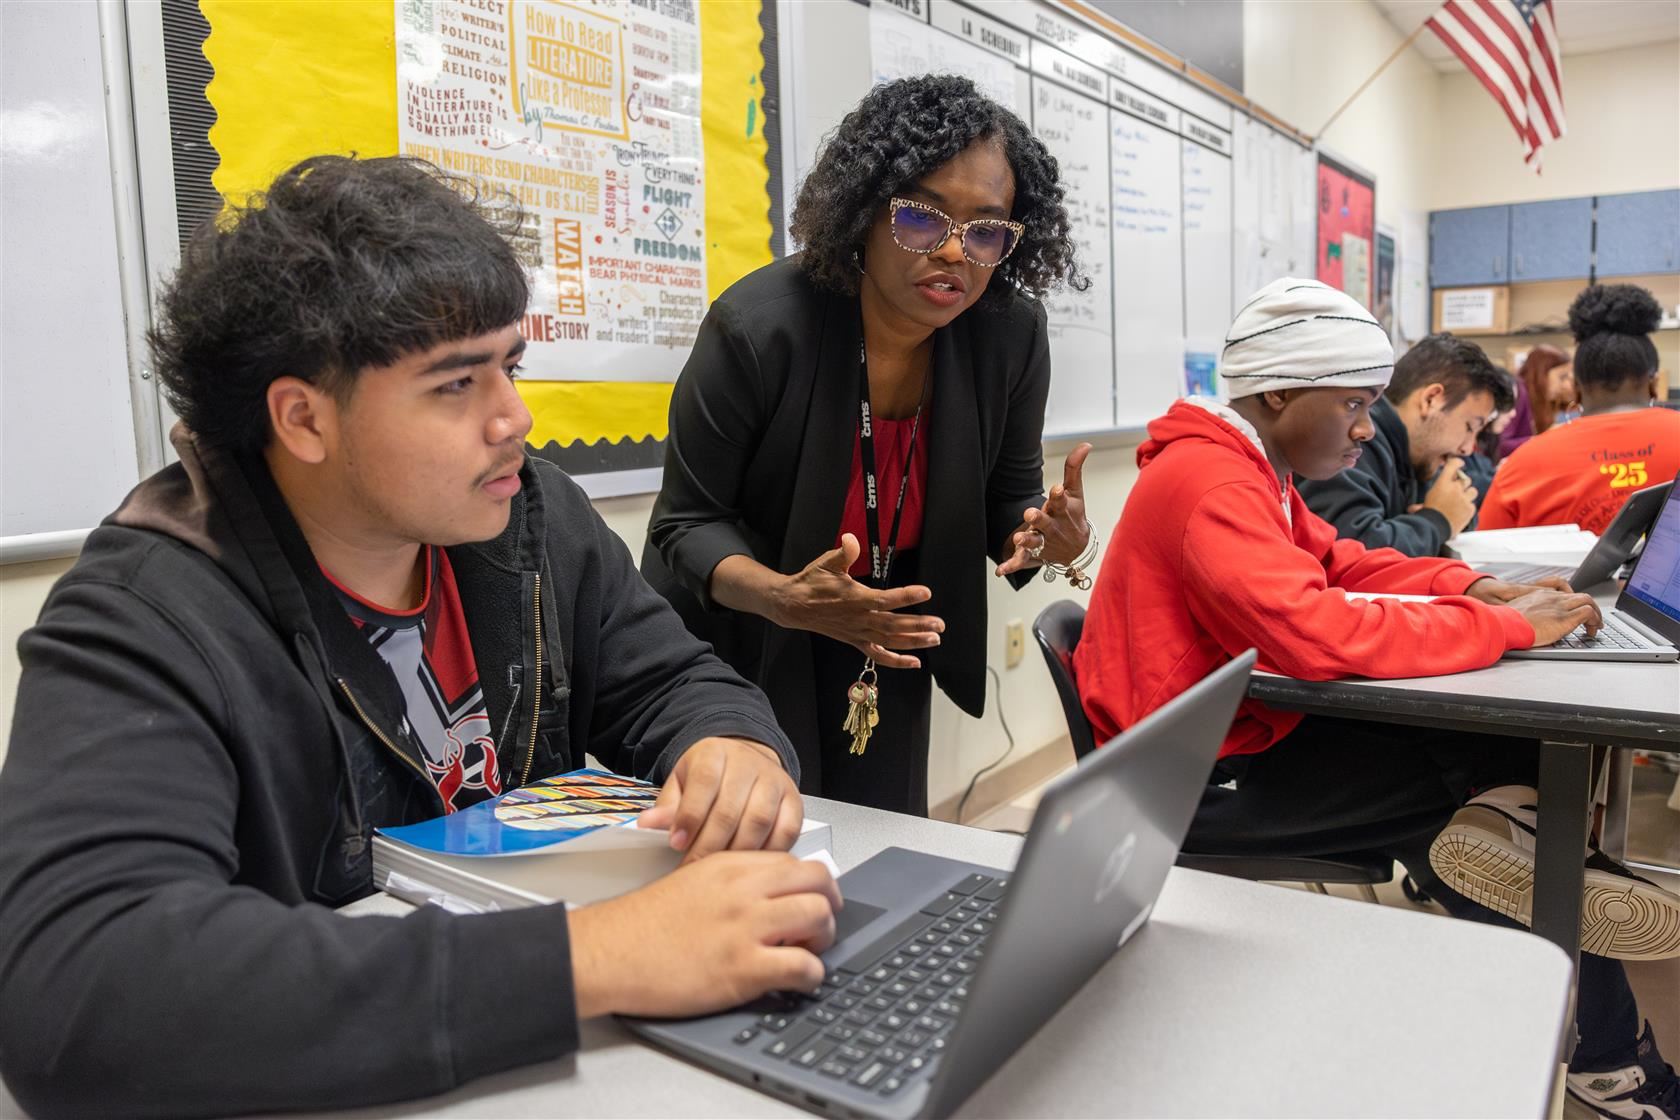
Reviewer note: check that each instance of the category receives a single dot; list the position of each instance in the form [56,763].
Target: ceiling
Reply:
[1583,26]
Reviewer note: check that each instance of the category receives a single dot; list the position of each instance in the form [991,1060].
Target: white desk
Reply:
[1236,999]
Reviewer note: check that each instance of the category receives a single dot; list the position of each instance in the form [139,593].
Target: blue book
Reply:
[564,809]
[577,833]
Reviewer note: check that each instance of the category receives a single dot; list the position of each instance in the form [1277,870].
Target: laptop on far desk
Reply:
[1645,625]
[1616,547]
[941,969]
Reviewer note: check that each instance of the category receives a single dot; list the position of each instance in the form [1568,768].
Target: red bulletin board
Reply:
[1347,229]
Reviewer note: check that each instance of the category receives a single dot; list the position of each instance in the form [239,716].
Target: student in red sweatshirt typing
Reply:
[1216,552]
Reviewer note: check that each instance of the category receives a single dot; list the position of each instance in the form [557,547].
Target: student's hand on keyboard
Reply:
[710,935]
[1554,614]
[1490,589]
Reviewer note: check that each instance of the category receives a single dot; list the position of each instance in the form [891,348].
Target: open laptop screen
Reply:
[1656,581]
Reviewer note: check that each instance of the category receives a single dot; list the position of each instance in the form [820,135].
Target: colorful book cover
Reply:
[587,810]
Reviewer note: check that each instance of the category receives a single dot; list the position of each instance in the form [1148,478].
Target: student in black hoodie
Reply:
[355,602]
[1409,491]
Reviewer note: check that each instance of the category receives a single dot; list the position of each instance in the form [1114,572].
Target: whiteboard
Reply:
[1272,211]
[1180,205]
[1207,248]
[1074,128]
[1248,169]
[1148,268]
[901,47]
[67,442]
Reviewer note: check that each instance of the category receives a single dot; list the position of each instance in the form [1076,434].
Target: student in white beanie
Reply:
[1301,334]
[1216,552]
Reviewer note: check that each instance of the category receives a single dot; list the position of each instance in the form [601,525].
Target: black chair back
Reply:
[1057,629]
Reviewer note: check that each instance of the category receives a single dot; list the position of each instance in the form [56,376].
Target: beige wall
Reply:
[23,588]
[1622,133]
[1303,58]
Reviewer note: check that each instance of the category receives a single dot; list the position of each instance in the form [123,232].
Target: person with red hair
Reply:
[1545,387]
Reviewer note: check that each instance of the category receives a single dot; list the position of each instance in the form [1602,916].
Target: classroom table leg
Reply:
[1559,851]
[1561,842]
[1618,800]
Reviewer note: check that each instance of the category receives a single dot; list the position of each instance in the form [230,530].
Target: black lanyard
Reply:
[880,561]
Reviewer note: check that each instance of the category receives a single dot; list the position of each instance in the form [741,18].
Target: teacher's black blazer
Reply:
[763,421]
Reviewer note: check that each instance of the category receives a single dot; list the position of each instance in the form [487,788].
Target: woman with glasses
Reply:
[859,429]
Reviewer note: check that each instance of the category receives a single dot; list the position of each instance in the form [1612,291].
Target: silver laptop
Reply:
[1645,625]
[941,969]
[1618,545]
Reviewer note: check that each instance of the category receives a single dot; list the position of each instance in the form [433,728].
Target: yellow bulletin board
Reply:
[299,78]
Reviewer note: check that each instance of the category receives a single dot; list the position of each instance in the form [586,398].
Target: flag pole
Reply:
[1377,74]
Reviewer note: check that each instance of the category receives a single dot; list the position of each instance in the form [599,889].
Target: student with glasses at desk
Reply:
[859,424]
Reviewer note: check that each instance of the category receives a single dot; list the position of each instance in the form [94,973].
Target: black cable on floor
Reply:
[984,770]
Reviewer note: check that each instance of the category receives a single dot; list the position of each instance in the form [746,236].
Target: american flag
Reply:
[1512,48]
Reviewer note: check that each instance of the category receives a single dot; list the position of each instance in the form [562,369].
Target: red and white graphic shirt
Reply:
[429,651]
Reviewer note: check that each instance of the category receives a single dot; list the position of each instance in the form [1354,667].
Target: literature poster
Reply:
[1347,209]
[1201,377]
[1383,309]
[589,115]
[1412,287]
[1356,265]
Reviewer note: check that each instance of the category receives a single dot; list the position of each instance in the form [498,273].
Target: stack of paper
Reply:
[1538,544]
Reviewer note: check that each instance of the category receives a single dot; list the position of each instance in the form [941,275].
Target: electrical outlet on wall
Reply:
[1014,643]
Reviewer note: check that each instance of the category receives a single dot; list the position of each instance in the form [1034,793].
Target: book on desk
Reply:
[571,838]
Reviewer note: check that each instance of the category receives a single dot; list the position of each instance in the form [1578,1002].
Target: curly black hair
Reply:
[1612,324]
[904,130]
[339,265]
[1457,365]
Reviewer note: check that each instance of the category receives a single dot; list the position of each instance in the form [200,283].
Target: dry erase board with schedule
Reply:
[1179,204]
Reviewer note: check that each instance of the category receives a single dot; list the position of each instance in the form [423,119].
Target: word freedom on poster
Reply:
[589,116]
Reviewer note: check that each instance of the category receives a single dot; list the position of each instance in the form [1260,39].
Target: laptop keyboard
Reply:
[1613,635]
[882,1017]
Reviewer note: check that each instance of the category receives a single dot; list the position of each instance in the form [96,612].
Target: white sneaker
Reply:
[1645,1090]
[1486,854]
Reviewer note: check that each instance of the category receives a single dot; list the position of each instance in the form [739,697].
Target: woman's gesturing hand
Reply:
[825,599]
[1058,533]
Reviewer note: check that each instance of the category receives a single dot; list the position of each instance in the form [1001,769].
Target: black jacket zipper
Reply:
[379,734]
[536,689]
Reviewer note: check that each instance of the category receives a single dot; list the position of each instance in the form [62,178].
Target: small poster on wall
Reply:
[590,117]
[1347,216]
[1383,308]
[1201,377]
[1468,309]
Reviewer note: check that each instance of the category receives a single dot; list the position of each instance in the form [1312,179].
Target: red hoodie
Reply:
[1204,565]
